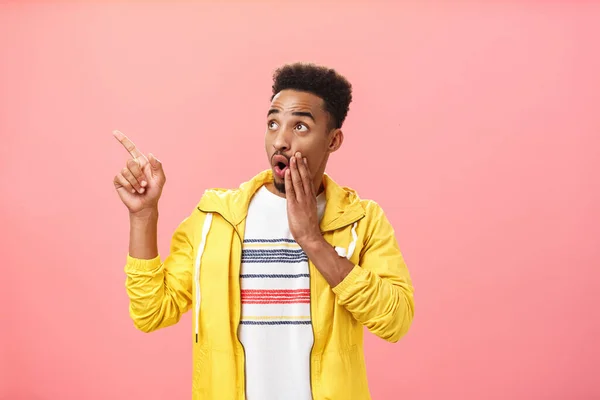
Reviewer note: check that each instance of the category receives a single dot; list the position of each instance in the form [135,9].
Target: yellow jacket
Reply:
[202,271]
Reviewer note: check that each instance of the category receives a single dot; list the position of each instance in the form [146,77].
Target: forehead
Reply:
[292,100]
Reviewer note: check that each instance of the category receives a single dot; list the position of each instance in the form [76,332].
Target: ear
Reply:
[336,140]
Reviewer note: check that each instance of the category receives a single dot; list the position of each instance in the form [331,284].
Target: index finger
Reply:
[127,143]
[305,174]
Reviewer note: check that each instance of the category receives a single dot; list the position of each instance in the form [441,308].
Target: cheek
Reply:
[314,150]
[315,160]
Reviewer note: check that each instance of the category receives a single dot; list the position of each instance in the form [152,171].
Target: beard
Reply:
[280,186]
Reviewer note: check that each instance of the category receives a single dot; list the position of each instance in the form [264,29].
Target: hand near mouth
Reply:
[301,202]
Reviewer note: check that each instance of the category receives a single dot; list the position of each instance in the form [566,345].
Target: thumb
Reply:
[155,164]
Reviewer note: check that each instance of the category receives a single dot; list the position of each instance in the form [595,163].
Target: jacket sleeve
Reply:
[378,292]
[161,292]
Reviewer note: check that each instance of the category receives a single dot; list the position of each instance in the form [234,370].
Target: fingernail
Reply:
[305,162]
[132,190]
[142,190]
[144,183]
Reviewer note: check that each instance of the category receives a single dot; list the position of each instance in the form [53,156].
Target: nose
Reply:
[283,140]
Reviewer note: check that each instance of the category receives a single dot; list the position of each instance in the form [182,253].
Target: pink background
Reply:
[476,127]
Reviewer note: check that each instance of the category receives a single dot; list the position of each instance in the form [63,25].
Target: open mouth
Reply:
[280,164]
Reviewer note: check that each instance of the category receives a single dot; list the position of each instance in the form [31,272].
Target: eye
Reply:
[272,125]
[301,128]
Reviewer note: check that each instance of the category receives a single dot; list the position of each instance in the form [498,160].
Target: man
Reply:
[283,272]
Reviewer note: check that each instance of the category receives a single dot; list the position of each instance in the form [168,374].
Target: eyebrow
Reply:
[304,114]
[296,113]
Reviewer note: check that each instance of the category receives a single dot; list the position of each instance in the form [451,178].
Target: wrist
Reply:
[314,244]
[148,215]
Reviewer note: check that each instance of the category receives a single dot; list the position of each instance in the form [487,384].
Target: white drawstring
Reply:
[201,245]
[353,244]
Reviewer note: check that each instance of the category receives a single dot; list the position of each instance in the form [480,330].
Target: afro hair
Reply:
[326,83]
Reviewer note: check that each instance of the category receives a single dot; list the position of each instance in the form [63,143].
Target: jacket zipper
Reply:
[312,326]
[311,306]
[238,322]
[237,336]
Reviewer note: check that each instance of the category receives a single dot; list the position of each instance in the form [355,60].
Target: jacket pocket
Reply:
[201,372]
[343,374]
[214,376]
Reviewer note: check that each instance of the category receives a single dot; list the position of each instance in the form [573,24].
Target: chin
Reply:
[279,185]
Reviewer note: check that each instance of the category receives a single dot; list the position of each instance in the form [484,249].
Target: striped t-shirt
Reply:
[276,329]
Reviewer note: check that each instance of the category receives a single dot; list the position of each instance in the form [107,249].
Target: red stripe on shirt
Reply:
[275,296]
[259,301]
